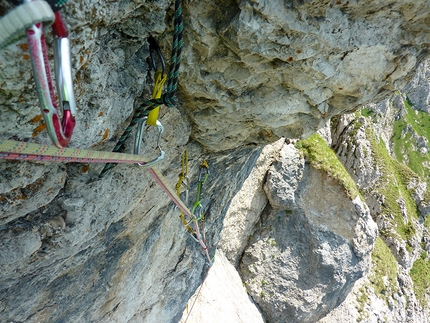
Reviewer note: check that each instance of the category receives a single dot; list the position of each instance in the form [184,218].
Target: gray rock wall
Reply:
[370,143]
[311,244]
[283,68]
[221,298]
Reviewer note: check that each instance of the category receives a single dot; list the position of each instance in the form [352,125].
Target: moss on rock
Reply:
[321,156]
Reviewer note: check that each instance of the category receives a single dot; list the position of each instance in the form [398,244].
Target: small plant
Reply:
[262,295]
[427,222]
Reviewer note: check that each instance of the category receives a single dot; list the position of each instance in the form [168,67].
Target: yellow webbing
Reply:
[160,79]
[183,179]
[184,172]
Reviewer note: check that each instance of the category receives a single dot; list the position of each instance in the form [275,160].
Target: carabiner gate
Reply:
[138,142]
[59,124]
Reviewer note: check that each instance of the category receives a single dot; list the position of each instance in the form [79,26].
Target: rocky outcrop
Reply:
[311,244]
[418,90]
[391,291]
[385,137]
[76,249]
[395,285]
[246,207]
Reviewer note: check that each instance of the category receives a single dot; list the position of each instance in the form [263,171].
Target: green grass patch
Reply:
[357,125]
[321,156]
[405,146]
[366,112]
[384,272]
[362,300]
[393,186]
[420,274]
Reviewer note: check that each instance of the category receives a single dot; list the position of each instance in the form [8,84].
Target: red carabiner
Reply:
[59,130]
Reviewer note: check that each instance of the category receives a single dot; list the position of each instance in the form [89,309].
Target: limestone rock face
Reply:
[221,298]
[375,145]
[419,89]
[247,205]
[386,137]
[283,68]
[310,245]
[78,249]
[387,292]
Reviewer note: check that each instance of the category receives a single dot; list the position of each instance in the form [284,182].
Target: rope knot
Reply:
[169,99]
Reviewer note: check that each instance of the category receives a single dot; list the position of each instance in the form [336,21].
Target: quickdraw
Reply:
[160,77]
[59,122]
[138,141]
[59,130]
[14,24]
[152,118]
[197,209]
[16,150]
[168,98]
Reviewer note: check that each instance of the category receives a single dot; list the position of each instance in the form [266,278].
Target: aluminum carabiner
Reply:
[59,122]
[203,176]
[153,47]
[138,142]
[204,172]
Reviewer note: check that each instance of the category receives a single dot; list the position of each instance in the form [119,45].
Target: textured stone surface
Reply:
[284,177]
[246,206]
[356,155]
[310,246]
[282,68]
[418,89]
[25,187]
[363,305]
[116,259]
[222,298]
[353,138]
